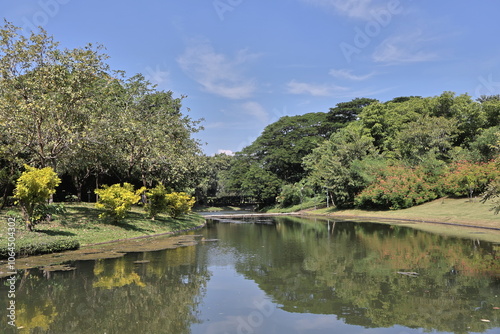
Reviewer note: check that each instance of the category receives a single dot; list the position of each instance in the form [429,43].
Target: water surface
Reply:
[274,275]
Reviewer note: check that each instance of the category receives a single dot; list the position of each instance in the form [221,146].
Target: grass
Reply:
[81,223]
[310,203]
[446,210]
[205,208]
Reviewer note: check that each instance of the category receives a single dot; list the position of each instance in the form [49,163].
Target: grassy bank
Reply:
[448,210]
[81,226]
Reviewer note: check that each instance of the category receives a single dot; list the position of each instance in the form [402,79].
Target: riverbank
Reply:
[450,211]
[81,226]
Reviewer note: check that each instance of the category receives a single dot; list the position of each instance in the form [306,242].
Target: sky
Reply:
[244,64]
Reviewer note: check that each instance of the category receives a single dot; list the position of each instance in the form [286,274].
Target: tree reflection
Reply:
[116,295]
[351,270]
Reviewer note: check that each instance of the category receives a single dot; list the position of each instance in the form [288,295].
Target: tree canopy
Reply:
[66,109]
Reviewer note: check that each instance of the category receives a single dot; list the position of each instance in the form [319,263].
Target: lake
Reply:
[273,275]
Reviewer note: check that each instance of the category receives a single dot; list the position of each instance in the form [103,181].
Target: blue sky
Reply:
[243,64]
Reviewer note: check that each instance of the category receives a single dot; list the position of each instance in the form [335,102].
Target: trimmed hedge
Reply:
[38,248]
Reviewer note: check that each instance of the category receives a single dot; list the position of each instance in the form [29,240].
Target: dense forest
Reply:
[370,154]
[66,109]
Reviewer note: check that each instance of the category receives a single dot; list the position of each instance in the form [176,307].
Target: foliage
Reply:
[213,178]
[398,187]
[282,145]
[466,178]
[493,189]
[33,189]
[484,148]
[48,94]
[41,247]
[65,108]
[292,194]
[117,199]
[330,166]
[179,203]
[156,201]
[425,137]
[492,193]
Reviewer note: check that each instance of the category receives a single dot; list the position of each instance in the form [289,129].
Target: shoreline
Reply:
[102,250]
[402,219]
[111,248]
[145,236]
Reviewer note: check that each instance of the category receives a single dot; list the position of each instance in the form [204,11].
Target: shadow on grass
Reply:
[79,217]
[56,233]
[131,227]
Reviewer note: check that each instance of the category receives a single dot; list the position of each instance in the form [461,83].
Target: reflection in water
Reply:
[115,295]
[285,275]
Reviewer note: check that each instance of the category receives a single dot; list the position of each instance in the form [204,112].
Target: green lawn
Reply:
[81,223]
[449,210]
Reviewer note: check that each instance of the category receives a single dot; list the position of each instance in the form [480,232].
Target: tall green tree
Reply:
[47,94]
[282,145]
[345,112]
[151,136]
[333,165]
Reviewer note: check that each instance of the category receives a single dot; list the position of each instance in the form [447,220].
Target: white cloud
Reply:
[217,73]
[347,74]
[295,87]
[358,9]
[404,48]
[226,152]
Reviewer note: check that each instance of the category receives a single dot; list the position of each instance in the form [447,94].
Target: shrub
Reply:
[156,201]
[40,247]
[117,200]
[466,178]
[33,189]
[179,204]
[398,187]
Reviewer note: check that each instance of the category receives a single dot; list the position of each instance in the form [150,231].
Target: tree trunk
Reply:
[96,186]
[5,195]
[78,185]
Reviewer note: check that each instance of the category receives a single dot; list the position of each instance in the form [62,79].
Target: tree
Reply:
[493,189]
[331,165]
[47,94]
[151,138]
[385,120]
[491,108]
[213,178]
[425,137]
[484,148]
[282,145]
[467,178]
[33,189]
[345,112]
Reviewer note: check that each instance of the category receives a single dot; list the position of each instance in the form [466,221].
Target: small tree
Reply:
[179,204]
[33,190]
[156,201]
[117,200]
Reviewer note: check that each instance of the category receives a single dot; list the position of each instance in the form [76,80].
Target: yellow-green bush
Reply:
[179,204]
[117,200]
[157,201]
[33,189]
